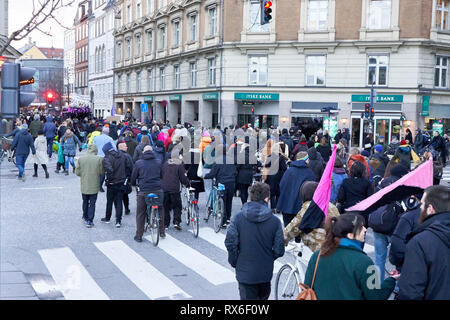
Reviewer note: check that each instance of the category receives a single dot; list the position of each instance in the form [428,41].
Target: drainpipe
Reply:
[222,19]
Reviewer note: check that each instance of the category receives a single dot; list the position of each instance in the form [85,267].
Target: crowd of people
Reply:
[158,158]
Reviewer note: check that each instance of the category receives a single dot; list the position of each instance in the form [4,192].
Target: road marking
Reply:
[146,277]
[218,240]
[194,260]
[71,277]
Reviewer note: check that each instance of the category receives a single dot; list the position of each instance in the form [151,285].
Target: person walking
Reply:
[22,144]
[144,132]
[123,147]
[274,167]
[173,175]
[409,137]
[50,133]
[378,162]
[68,143]
[315,162]
[254,240]
[130,141]
[35,126]
[245,166]
[438,144]
[147,176]
[338,176]
[89,168]
[425,271]
[100,140]
[342,270]
[403,155]
[41,157]
[138,152]
[286,138]
[290,202]
[118,168]
[324,149]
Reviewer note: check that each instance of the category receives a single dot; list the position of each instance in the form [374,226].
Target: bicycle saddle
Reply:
[221,187]
[152,195]
[192,189]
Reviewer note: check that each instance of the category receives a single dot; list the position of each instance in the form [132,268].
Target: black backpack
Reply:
[384,219]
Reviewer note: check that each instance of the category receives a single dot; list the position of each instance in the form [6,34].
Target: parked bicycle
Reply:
[290,276]
[6,151]
[192,215]
[153,217]
[185,202]
[215,205]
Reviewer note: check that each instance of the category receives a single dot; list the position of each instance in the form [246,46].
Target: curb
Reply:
[14,284]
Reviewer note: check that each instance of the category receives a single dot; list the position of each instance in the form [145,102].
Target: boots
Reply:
[46,174]
[35,171]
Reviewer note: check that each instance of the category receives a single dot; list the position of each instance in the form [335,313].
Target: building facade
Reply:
[81,97]
[101,57]
[4,18]
[212,62]
[69,65]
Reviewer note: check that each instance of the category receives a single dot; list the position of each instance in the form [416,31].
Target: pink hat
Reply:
[205,134]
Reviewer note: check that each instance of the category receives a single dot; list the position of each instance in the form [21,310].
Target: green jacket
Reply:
[60,152]
[89,168]
[347,274]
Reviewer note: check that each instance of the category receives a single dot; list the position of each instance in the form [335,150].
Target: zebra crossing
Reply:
[78,281]
[446,175]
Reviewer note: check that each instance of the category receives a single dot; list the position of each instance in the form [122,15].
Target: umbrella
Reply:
[413,183]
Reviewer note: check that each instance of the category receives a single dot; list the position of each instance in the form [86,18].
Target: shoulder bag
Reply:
[308,293]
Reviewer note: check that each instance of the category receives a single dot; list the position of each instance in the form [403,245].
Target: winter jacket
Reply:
[131,145]
[35,127]
[139,137]
[69,145]
[273,173]
[61,132]
[359,158]
[60,152]
[407,223]
[316,163]
[301,146]
[22,143]
[224,173]
[403,154]
[49,128]
[160,154]
[245,164]
[204,142]
[346,274]
[353,190]
[378,162]
[118,166]
[325,152]
[254,241]
[315,238]
[173,174]
[286,138]
[93,135]
[426,268]
[290,201]
[147,173]
[41,156]
[337,177]
[113,132]
[89,168]
[101,140]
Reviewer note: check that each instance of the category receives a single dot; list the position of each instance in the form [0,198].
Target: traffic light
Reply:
[367,111]
[372,113]
[266,10]
[13,77]
[49,97]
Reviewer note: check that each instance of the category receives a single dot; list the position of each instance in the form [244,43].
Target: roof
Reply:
[52,53]
[10,51]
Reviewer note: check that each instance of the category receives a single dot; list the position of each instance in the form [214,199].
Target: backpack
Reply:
[384,219]
[306,292]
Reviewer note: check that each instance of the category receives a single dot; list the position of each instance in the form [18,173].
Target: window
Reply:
[177,33]
[212,72]
[119,83]
[162,4]
[257,70]
[149,6]
[128,83]
[378,70]
[212,21]
[162,37]
[119,51]
[193,25]
[440,72]
[162,78]
[255,18]
[442,9]
[129,13]
[128,56]
[176,77]
[138,45]
[150,80]
[317,15]
[315,70]
[380,14]
[138,10]
[193,73]
[138,82]
[149,41]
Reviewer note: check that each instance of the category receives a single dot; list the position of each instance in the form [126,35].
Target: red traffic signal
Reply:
[266,10]
[49,95]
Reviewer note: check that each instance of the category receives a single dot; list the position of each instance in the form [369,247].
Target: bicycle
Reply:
[290,276]
[185,203]
[215,205]
[153,217]
[193,212]
[6,150]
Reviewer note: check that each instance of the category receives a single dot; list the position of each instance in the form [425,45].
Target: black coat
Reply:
[273,180]
[147,173]
[325,152]
[113,132]
[196,182]
[224,173]
[22,143]
[245,165]
[118,166]
[353,190]
[254,241]
[316,163]
[286,138]
[407,223]
[173,173]
[426,269]
[383,160]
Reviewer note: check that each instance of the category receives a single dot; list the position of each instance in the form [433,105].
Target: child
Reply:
[61,162]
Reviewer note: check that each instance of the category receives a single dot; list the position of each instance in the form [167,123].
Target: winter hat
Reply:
[403,143]
[36,117]
[159,144]
[302,155]
[144,128]
[365,153]
[379,148]
[41,132]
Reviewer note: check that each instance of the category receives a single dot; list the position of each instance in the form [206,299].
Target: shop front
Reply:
[308,117]
[147,112]
[262,109]
[209,117]
[387,121]
[437,118]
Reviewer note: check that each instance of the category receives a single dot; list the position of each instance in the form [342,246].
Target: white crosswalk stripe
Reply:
[146,277]
[72,279]
[194,260]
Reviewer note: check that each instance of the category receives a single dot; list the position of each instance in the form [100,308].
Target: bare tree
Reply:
[43,10]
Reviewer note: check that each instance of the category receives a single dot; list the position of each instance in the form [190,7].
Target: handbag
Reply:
[308,293]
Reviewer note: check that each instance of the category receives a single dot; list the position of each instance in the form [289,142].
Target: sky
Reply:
[20,12]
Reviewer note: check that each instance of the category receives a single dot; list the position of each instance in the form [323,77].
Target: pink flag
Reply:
[323,191]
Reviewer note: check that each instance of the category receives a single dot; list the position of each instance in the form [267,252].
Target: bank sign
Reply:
[380,98]
[257,96]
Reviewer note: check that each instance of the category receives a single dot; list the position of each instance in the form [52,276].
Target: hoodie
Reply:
[22,143]
[89,168]
[147,173]
[117,165]
[426,268]
[254,251]
[49,128]
[316,163]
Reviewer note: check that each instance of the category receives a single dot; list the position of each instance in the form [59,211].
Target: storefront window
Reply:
[261,121]
[395,129]
[382,128]
[308,124]
[356,131]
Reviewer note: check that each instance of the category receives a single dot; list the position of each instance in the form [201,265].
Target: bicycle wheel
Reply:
[194,218]
[286,283]
[185,204]
[188,213]
[154,226]
[218,214]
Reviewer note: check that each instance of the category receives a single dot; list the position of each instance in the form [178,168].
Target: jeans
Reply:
[20,163]
[114,195]
[260,291]
[381,243]
[141,212]
[102,180]
[50,147]
[89,206]
[243,192]
[67,160]
[228,200]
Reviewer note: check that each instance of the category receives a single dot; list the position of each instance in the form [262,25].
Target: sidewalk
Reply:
[14,285]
